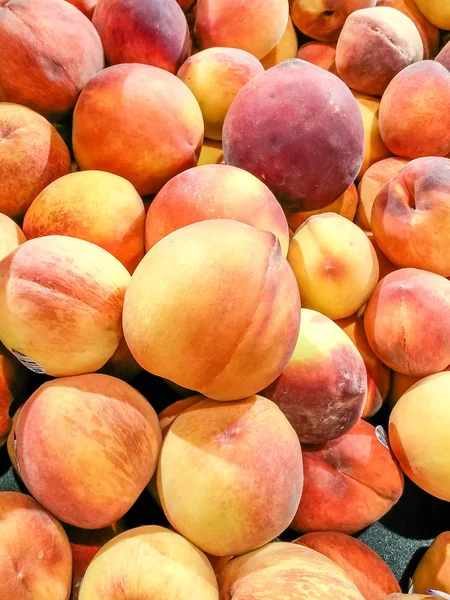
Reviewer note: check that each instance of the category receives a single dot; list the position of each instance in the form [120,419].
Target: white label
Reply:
[29,363]
[15,453]
[382,436]
[411,586]
[438,593]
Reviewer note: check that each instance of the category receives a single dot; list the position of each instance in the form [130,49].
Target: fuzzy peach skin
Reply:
[376,44]
[433,571]
[365,568]
[349,484]
[241,496]
[49,52]
[13,380]
[321,54]
[371,184]
[285,49]
[335,265]
[32,155]
[152,32]
[149,562]
[444,56]
[61,302]
[323,388]
[436,12]
[384,263]
[215,76]
[92,477]
[345,206]
[122,363]
[35,556]
[374,148]
[214,307]
[411,216]
[11,236]
[256,27]
[211,154]
[378,375]
[214,192]
[95,206]
[428,32]
[310,150]
[407,322]
[158,126]
[418,431]
[282,570]
[323,19]
[415,111]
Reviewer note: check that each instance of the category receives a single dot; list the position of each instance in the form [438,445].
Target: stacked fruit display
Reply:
[246,203]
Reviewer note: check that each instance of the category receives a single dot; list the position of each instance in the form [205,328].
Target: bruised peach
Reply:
[11,236]
[433,571]
[320,54]
[285,49]
[374,148]
[13,379]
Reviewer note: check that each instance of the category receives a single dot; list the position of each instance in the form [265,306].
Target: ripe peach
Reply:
[11,236]
[122,363]
[374,148]
[86,6]
[436,12]
[433,571]
[320,54]
[156,119]
[219,452]
[285,49]
[13,379]
[61,304]
[444,56]
[384,263]
[214,307]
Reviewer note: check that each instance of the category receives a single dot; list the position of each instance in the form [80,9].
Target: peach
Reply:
[140,33]
[376,44]
[371,184]
[378,375]
[187,5]
[345,206]
[122,363]
[214,307]
[215,76]
[241,496]
[310,151]
[411,216]
[365,568]
[32,155]
[335,265]
[384,263]
[156,119]
[149,562]
[409,597]
[374,148]
[61,303]
[399,385]
[320,54]
[433,571]
[214,192]
[285,49]
[11,236]
[93,476]
[323,388]
[211,154]
[49,52]
[415,111]
[444,56]
[95,206]
[323,20]
[418,430]
[349,484]
[256,27]
[86,6]
[170,413]
[13,380]
[35,557]
[407,322]
[436,12]
[428,32]
[283,570]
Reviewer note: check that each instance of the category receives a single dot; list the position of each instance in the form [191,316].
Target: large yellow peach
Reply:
[436,11]
[285,49]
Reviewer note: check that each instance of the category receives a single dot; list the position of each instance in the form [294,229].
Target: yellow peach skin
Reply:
[436,11]
[11,235]
[374,148]
[433,571]
[211,154]
[285,49]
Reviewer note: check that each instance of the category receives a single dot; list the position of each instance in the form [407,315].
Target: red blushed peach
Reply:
[376,44]
[335,265]
[95,206]
[86,6]
[11,236]
[122,363]
[241,496]
[13,379]
[61,303]
[323,20]
[321,54]
[444,56]
[149,562]
[371,184]
[365,568]
[215,76]
[349,484]
[374,148]
[411,216]
[384,263]
[310,151]
[156,118]
[139,33]
[436,12]
[214,192]
[256,27]
[93,476]
[407,322]
[378,375]
[49,52]
[230,314]
[32,155]
[323,388]
[35,557]
[186,5]
[415,111]
[282,570]
[285,49]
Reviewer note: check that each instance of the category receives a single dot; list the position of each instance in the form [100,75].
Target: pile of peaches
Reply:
[249,202]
